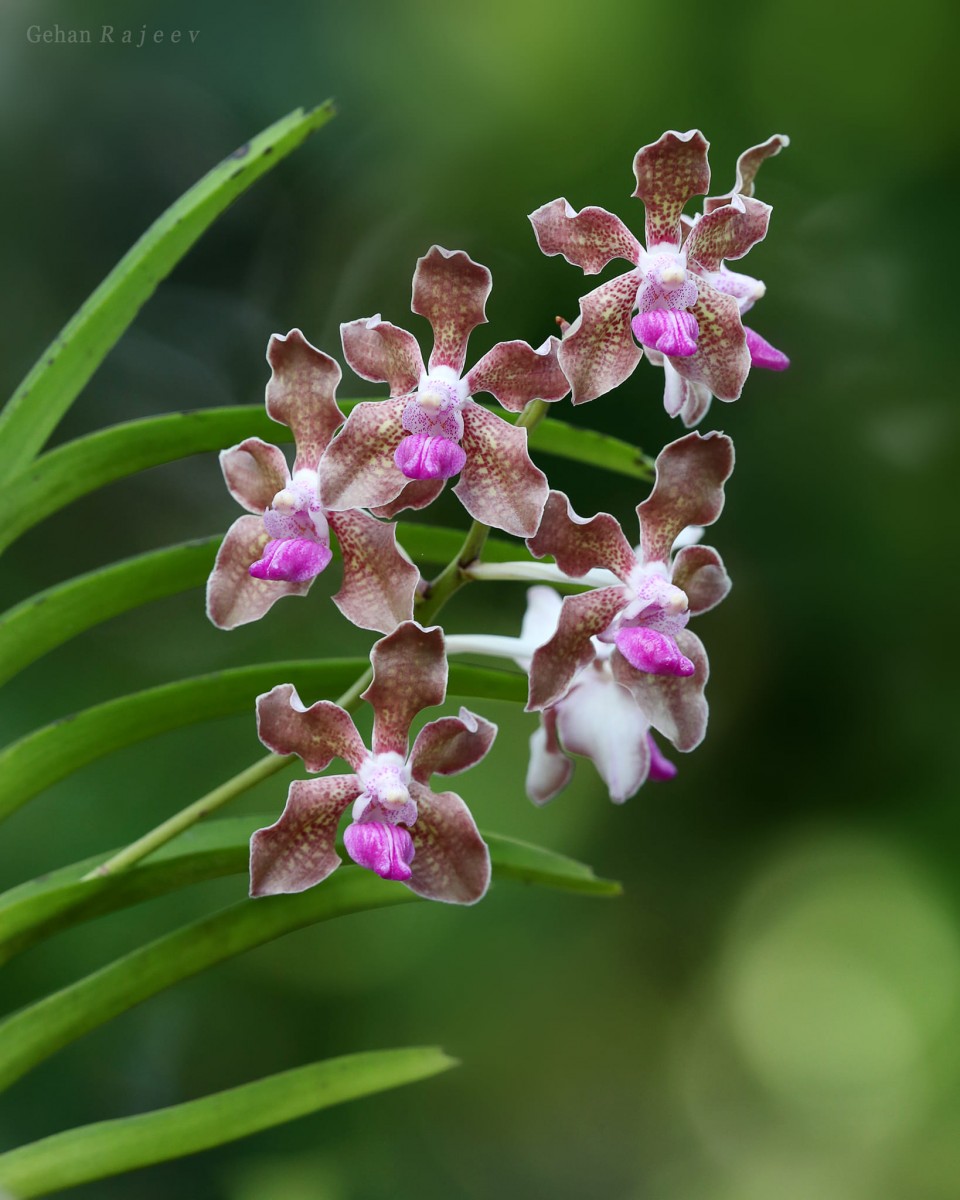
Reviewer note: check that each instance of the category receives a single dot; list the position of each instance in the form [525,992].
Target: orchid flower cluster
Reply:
[610,663]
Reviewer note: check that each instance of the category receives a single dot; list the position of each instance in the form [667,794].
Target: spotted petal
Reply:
[728,232]
[383,353]
[669,172]
[748,164]
[451,291]
[417,493]
[299,850]
[499,485]
[450,745]
[301,394]
[549,770]
[516,374]
[318,734]
[598,351]
[254,472]
[688,490]
[357,470]
[578,544]
[601,720]
[379,583]
[589,239]
[234,597]
[409,674]
[722,360]
[452,862]
[555,663]
[673,704]
[700,572]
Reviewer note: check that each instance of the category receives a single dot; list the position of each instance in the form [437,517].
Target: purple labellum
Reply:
[296,560]
[661,768]
[762,354]
[384,849]
[652,652]
[671,331]
[423,457]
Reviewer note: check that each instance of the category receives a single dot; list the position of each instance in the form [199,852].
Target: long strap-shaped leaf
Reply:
[42,907]
[41,758]
[68,362]
[111,1147]
[76,468]
[34,1033]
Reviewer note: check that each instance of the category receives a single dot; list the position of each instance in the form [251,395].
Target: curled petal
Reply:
[299,851]
[383,353]
[420,456]
[516,374]
[357,470]
[661,768]
[318,734]
[578,544]
[452,862]
[722,361]
[657,653]
[689,401]
[296,560]
[555,664]
[762,354]
[549,770]
[728,232]
[700,572]
[688,490]
[589,239]
[499,485]
[674,704]
[669,172]
[379,583]
[234,596]
[667,330]
[254,472]
[451,291]
[598,351]
[748,164]
[301,394]
[450,745]
[385,849]
[601,720]
[417,493]
[409,674]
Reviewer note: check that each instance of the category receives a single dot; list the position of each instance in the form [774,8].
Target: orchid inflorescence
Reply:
[608,665]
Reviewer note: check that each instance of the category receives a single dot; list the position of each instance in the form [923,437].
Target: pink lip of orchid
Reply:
[400,828]
[644,615]
[395,454]
[280,550]
[681,313]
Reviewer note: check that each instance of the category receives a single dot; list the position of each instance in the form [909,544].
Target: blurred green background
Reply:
[771,1011]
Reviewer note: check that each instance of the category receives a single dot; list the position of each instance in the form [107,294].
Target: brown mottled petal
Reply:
[555,663]
[409,674]
[234,597]
[728,232]
[299,850]
[452,862]
[748,164]
[578,544]
[674,704]
[357,469]
[379,583]
[516,374]
[254,472]
[302,394]
[598,352]
[418,493]
[589,239]
[549,770]
[700,572]
[318,734]
[450,745]
[450,290]
[669,172]
[688,490]
[499,485]
[383,353]
[722,360]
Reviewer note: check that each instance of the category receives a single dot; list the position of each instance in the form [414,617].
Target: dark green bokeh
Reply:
[771,1009]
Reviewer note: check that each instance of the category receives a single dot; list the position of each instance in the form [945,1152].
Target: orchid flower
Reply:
[681,313]
[399,828]
[280,551]
[644,612]
[397,453]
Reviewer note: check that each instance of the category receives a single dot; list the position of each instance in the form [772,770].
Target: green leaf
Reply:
[34,1033]
[61,899]
[111,1147]
[69,361]
[39,759]
[62,475]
